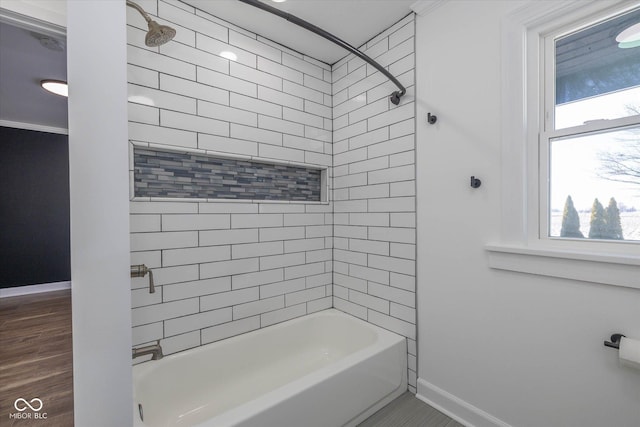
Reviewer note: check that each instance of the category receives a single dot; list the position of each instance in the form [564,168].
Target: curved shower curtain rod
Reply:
[394,97]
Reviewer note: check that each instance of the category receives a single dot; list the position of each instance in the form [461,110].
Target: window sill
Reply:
[615,270]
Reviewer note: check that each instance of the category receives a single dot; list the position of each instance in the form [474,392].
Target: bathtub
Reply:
[325,369]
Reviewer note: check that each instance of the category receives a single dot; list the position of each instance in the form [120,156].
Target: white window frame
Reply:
[523,245]
[548,132]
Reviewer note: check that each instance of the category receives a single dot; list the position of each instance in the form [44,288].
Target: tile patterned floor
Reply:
[409,411]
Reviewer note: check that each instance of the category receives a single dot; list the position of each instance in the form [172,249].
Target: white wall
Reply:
[99,201]
[98,158]
[374,187]
[524,349]
[226,268]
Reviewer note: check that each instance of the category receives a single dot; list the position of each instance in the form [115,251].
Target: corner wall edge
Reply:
[424,7]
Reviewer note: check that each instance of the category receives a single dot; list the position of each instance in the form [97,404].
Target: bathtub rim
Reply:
[145,366]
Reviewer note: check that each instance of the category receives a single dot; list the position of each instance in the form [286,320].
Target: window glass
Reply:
[597,77]
[595,185]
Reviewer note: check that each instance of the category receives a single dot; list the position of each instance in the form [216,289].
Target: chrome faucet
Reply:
[154,349]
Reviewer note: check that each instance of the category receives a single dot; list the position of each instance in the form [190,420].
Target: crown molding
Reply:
[45,16]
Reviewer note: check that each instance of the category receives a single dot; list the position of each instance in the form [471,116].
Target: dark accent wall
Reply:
[34,208]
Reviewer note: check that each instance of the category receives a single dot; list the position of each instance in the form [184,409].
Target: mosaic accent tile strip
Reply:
[160,173]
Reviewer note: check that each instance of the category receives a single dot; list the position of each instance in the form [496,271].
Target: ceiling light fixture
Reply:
[229,55]
[278,1]
[629,37]
[58,87]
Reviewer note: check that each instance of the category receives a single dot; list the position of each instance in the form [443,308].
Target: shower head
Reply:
[157,34]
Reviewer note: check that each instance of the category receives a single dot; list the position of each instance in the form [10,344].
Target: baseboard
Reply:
[34,289]
[456,408]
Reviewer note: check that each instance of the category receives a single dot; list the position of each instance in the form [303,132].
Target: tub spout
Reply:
[154,349]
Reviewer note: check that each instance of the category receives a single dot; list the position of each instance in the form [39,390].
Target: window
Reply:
[590,132]
[566,85]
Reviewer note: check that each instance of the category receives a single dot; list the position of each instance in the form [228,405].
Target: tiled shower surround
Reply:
[374,187]
[223,267]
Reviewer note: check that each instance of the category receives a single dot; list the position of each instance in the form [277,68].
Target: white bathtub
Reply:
[325,369]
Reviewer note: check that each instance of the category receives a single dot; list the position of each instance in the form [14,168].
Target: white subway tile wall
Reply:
[223,269]
[226,268]
[374,187]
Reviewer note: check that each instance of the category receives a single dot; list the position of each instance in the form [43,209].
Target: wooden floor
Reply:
[36,357]
[409,411]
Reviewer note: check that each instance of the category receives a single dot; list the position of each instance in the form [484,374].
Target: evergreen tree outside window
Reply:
[597,229]
[570,221]
[613,227]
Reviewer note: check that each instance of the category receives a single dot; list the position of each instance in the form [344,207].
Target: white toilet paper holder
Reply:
[615,341]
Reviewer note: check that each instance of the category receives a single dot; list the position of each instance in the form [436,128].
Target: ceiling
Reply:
[354,21]
[24,61]
[590,63]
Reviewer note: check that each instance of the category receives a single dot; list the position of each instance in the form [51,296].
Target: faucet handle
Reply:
[141,270]
[152,287]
